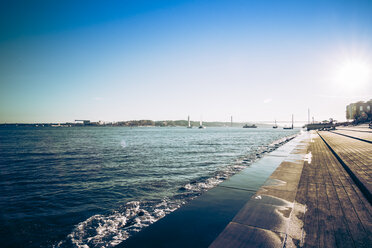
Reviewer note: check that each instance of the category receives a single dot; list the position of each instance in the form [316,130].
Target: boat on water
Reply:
[291,127]
[189,123]
[249,126]
[201,125]
[275,126]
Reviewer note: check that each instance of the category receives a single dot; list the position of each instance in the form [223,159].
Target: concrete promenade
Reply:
[322,200]
[315,192]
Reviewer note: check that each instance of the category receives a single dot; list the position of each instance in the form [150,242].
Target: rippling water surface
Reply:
[95,186]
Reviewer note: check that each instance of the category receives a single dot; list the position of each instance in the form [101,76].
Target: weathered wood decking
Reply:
[363,136]
[316,200]
[355,156]
[362,128]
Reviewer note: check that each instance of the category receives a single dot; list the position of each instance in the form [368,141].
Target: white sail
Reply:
[292,121]
[275,126]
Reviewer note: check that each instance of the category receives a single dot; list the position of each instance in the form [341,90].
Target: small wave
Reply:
[283,140]
[204,184]
[199,186]
[110,230]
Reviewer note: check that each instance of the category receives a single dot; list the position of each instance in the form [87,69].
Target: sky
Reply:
[165,60]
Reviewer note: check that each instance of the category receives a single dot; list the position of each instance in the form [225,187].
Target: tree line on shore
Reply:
[133,123]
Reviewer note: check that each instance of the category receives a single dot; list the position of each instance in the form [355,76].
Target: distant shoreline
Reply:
[134,123]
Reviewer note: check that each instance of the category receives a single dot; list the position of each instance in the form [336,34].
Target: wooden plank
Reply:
[359,135]
[326,228]
[356,170]
[356,228]
[354,151]
[348,202]
[354,192]
[311,217]
[301,194]
[335,217]
[363,129]
[341,228]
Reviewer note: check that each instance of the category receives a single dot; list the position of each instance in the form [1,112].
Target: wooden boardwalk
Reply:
[363,136]
[362,128]
[355,156]
[310,201]
[338,214]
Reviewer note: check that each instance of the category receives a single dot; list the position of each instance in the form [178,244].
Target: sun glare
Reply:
[353,74]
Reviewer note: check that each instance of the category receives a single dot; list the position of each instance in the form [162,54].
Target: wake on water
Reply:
[111,229]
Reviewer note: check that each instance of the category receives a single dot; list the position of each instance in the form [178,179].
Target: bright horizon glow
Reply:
[353,74]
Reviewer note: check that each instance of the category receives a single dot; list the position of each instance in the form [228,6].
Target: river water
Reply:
[95,186]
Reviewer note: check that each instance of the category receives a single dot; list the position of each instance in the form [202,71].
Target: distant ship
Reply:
[249,126]
[275,126]
[189,125]
[291,127]
[201,124]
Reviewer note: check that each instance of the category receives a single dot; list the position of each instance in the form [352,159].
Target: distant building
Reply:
[359,111]
[84,122]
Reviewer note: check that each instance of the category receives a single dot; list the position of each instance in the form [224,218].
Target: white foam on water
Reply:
[283,140]
[240,164]
[123,144]
[110,230]
[207,184]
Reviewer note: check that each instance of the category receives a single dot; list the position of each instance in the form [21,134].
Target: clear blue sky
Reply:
[122,60]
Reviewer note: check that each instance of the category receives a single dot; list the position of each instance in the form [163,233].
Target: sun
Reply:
[353,74]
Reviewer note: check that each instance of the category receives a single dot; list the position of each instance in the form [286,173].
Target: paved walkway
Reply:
[311,201]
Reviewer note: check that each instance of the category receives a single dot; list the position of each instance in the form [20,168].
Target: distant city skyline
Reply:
[165,60]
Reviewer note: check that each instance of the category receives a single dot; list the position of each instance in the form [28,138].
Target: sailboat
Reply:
[201,124]
[275,126]
[189,123]
[291,126]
